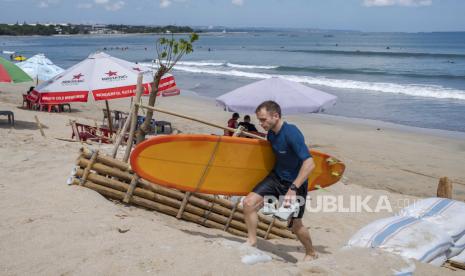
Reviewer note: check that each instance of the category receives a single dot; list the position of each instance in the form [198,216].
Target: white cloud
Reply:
[238,2]
[167,3]
[383,3]
[85,5]
[109,5]
[115,6]
[47,3]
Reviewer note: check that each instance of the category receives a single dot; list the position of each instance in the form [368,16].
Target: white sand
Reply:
[49,228]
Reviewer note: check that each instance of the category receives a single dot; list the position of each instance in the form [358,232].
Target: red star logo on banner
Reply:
[136,69]
[78,76]
[111,73]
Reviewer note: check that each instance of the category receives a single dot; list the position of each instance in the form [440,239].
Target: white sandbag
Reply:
[405,236]
[459,258]
[457,248]
[439,260]
[447,214]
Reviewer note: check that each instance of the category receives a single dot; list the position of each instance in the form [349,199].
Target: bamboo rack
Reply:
[115,179]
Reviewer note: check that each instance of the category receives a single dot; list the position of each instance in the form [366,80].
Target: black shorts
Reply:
[272,185]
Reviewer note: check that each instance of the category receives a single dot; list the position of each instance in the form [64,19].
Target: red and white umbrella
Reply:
[104,76]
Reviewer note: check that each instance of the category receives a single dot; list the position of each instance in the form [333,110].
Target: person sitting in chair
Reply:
[247,124]
[232,123]
[30,90]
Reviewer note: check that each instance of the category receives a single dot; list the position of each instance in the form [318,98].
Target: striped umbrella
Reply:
[9,72]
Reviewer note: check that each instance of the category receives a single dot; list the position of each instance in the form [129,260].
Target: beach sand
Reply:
[49,228]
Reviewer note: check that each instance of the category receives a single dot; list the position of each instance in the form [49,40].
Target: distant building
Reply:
[102,29]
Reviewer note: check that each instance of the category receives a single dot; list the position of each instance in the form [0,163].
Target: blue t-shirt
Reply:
[290,151]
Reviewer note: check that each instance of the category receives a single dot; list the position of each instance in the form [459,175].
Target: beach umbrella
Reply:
[9,72]
[293,97]
[40,67]
[102,75]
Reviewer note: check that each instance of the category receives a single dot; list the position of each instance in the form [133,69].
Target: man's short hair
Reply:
[246,117]
[235,115]
[270,106]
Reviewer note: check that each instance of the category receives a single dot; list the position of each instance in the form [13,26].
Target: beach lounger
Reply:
[86,132]
[117,118]
[11,116]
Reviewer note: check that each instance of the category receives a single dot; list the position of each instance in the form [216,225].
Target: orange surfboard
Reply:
[221,165]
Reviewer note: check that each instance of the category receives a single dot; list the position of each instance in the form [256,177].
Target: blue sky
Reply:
[363,15]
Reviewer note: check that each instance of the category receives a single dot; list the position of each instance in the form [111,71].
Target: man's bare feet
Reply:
[252,244]
[310,257]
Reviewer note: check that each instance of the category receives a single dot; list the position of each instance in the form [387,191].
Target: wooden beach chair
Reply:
[85,132]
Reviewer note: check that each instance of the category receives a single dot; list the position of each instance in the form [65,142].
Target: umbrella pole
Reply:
[110,124]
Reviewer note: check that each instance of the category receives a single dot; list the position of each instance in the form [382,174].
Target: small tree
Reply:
[169,52]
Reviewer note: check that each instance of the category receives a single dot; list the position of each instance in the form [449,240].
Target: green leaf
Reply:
[176,49]
[194,37]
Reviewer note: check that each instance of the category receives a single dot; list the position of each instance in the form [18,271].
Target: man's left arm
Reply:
[305,170]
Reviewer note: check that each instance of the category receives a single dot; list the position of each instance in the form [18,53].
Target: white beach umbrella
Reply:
[40,67]
[293,97]
[104,76]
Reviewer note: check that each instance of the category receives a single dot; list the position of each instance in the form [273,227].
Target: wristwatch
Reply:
[293,187]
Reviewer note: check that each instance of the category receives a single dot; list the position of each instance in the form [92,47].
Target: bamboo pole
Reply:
[178,196]
[89,166]
[135,111]
[198,120]
[110,123]
[226,226]
[106,160]
[457,264]
[105,170]
[269,228]
[131,188]
[114,194]
[121,134]
[183,204]
[40,126]
[444,188]
[204,215]
[75,130]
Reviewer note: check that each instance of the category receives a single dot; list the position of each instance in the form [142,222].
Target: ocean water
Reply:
[415,79]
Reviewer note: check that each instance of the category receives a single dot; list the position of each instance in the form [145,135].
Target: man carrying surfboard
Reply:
[289,177]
